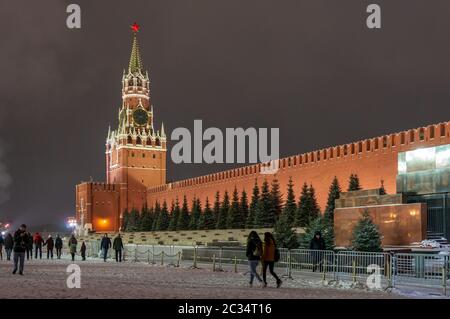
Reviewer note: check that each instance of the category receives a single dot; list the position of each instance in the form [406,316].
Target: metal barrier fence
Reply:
[399,269]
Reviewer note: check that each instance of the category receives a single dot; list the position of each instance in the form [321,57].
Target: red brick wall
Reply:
[373,165]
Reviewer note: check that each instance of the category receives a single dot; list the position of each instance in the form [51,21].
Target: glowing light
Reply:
[104,221]
[413,213]
[3,233]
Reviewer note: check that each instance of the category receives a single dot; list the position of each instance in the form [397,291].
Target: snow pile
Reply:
[429,243]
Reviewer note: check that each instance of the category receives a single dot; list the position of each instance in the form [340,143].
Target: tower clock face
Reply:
[140,117]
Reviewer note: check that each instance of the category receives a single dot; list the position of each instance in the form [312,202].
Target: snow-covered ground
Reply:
[47,279]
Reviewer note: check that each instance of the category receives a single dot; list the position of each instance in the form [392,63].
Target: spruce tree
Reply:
[302,215]
[156,213]
[382,189]
[265,211]
[146,219]
[277,203]
[208,216]
[163,218]
[133,220]
[333,194]
[235,218]
[250,222]
[216,208]
[183,219]
[243,207]
[175,214]
[195,214]
[125,219]
[223,212]
[290,207]
[353,183]
[285,236]
[366,236]
[326,229]
[314,210]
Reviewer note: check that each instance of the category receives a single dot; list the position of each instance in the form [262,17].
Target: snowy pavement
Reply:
[47,279]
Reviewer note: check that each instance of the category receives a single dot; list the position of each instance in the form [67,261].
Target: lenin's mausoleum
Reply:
[414,165]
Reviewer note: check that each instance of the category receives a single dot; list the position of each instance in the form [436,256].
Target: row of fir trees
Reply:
[265,209]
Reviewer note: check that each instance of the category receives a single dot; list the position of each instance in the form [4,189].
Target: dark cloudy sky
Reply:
[309,67]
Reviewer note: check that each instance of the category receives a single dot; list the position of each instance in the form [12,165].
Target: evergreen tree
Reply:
[235,218]
[265,211]
[174,216]
[223,212]
[326,229]
[243,207]
[382,189]
[290,207]
[250,222]
[183,219]
[284,235]
[314,210]
[275,197]
[333,194]
[163,218]
[366,236]
[133,220]
[125,219]
[156,213]
[216,208]
[353,183]
[209,222]
[195,214]
[302,215]
[146,219]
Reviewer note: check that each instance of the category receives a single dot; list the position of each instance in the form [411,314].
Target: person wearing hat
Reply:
[21,240]
[316,245]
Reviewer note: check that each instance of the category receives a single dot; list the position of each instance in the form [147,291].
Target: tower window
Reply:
[132,154]
[154,155]
[143,155]
[129,140]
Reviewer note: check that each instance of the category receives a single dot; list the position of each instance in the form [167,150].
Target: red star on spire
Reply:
[135,27]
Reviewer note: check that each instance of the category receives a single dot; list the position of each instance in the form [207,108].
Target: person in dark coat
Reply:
[38,241]
[50,244]
[30,247]
[253,253]
[58,246]
[73,246]
[9,244]
[83,251]
[2,242]
[105,245]
[316,246]
[118,247]
[20,245]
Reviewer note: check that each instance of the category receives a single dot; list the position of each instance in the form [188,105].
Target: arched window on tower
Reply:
[158,142]
[129,140]
[138,141]
[149,142]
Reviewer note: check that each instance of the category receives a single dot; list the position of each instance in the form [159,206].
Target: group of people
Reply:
[264,252]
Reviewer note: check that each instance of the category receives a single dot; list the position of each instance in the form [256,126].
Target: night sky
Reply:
[309,67]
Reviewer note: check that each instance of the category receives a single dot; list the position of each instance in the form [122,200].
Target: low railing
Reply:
[392,270]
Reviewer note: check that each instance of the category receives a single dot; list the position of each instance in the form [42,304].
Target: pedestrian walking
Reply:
[21,239]
[58,246]
[105,245]
[83,251]
[9,244]
[253,253]
[29,249]
[50,244]
[118,247]
[38,242]
[268,258]
[2,243]
[317,245]
[73,246]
